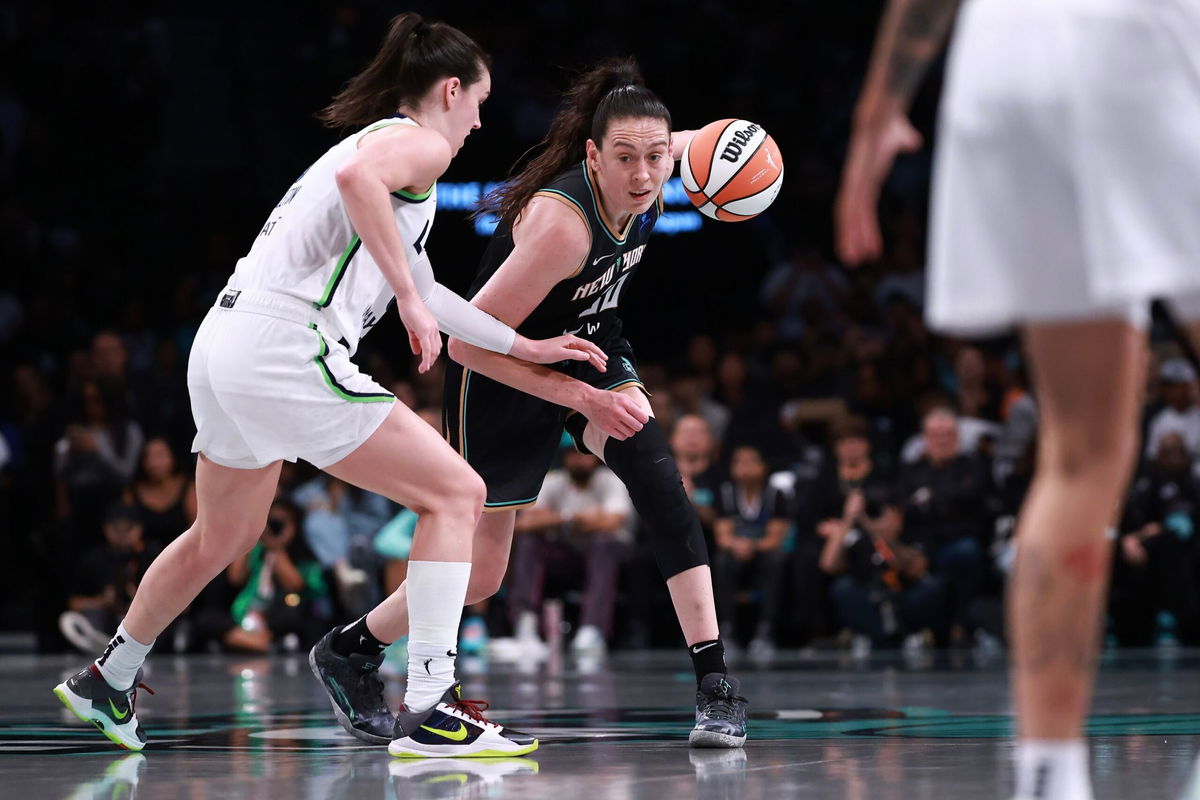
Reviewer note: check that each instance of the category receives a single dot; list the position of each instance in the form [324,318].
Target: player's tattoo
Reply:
[920,30]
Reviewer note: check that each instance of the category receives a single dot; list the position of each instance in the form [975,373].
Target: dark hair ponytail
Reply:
[612,89]
[415,54]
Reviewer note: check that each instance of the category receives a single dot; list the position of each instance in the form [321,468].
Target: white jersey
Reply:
[309,250]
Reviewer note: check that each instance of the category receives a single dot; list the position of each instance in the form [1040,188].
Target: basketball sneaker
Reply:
[720,713]
[355,690]
[90,698]
[455,728]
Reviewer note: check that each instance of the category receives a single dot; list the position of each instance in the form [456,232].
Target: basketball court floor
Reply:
[821,727]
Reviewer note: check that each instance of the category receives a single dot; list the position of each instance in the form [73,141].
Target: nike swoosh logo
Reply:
[705,647]
[601,258]
[116,713]
[454,736]
[451,654]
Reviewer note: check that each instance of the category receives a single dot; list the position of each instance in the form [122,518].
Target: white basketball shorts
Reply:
[1067,176]
[266,385]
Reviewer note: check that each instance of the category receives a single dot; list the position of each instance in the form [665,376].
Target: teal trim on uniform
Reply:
[338,272]
[507,503]
[414,198]
[341,391]
[596,204]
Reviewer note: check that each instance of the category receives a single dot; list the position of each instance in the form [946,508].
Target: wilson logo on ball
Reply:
[735,146]
[732,170]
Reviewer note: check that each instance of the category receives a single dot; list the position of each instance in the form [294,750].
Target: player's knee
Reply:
[1091,456]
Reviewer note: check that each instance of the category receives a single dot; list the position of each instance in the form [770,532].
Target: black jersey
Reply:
[586,303]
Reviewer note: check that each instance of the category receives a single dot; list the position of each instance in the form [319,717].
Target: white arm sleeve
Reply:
[457,317]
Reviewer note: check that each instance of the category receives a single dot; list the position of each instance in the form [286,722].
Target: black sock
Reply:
[707,657]
[356,638]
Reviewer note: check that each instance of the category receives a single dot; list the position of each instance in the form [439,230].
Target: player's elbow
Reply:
[459,350]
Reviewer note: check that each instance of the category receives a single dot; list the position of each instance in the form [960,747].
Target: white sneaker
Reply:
[527,637]
[81,633]
[589,641]
[761,649]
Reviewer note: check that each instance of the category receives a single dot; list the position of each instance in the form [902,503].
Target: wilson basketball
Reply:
[732,170]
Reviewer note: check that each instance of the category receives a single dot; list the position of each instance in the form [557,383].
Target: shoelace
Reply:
[133,695]
[721,707]
[474,709]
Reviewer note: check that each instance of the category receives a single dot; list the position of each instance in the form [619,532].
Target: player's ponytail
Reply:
[416,53]
[613,89]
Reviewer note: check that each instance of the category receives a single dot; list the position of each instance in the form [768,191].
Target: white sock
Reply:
[1052,769]
[436,592]
[122,659]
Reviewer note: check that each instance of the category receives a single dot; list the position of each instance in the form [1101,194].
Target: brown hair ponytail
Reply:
[612,89]
[416,53]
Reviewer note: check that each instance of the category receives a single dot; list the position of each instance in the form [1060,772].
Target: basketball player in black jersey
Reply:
[573,229]
[574,225]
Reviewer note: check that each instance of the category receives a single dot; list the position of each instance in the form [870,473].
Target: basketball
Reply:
[732,170]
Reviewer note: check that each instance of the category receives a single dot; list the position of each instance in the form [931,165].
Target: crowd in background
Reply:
[858,476]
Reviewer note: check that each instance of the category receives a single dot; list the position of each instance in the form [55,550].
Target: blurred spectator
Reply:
[689,392]
[944,496]
[164,497]
[974,396]
[283,596]
[96,456]
[694,450]
[1156,584]
[580,522]
[752,524]
[340,524]
[883,589]
[1181,413]
[802,288]
[105,581]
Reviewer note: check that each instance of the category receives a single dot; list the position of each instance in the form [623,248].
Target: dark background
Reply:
[142,147]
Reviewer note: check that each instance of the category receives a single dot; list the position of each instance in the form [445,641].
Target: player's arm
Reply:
[392,158]
[679,141]
[401,157]
[911,35]
[550,244]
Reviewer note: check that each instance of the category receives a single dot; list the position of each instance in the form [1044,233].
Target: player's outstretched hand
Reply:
[874,146]
[423,334]
[615,414]
[561,348]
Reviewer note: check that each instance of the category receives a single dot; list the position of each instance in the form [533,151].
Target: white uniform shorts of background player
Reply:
[270,375]
[1067,175]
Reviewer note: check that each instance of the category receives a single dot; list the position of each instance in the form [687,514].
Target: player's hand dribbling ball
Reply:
[731,170]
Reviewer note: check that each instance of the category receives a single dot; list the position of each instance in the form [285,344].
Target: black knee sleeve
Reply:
[645,464]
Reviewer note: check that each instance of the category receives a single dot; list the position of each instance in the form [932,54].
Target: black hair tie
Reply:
[422,28]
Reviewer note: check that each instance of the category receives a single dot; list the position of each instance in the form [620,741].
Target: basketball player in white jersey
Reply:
[1066,197]
[270,378]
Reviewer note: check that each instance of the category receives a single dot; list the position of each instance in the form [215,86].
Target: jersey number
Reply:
[608,300]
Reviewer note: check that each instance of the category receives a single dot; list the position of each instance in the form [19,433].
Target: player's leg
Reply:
[232,506]
[409,462]
[1087,378]
[646,466]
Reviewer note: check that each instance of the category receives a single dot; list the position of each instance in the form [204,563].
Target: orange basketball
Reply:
[732,170]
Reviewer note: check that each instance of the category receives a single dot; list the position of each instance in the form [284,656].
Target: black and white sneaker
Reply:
[720,713]
[90,698]
[455,728]
[355,690]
